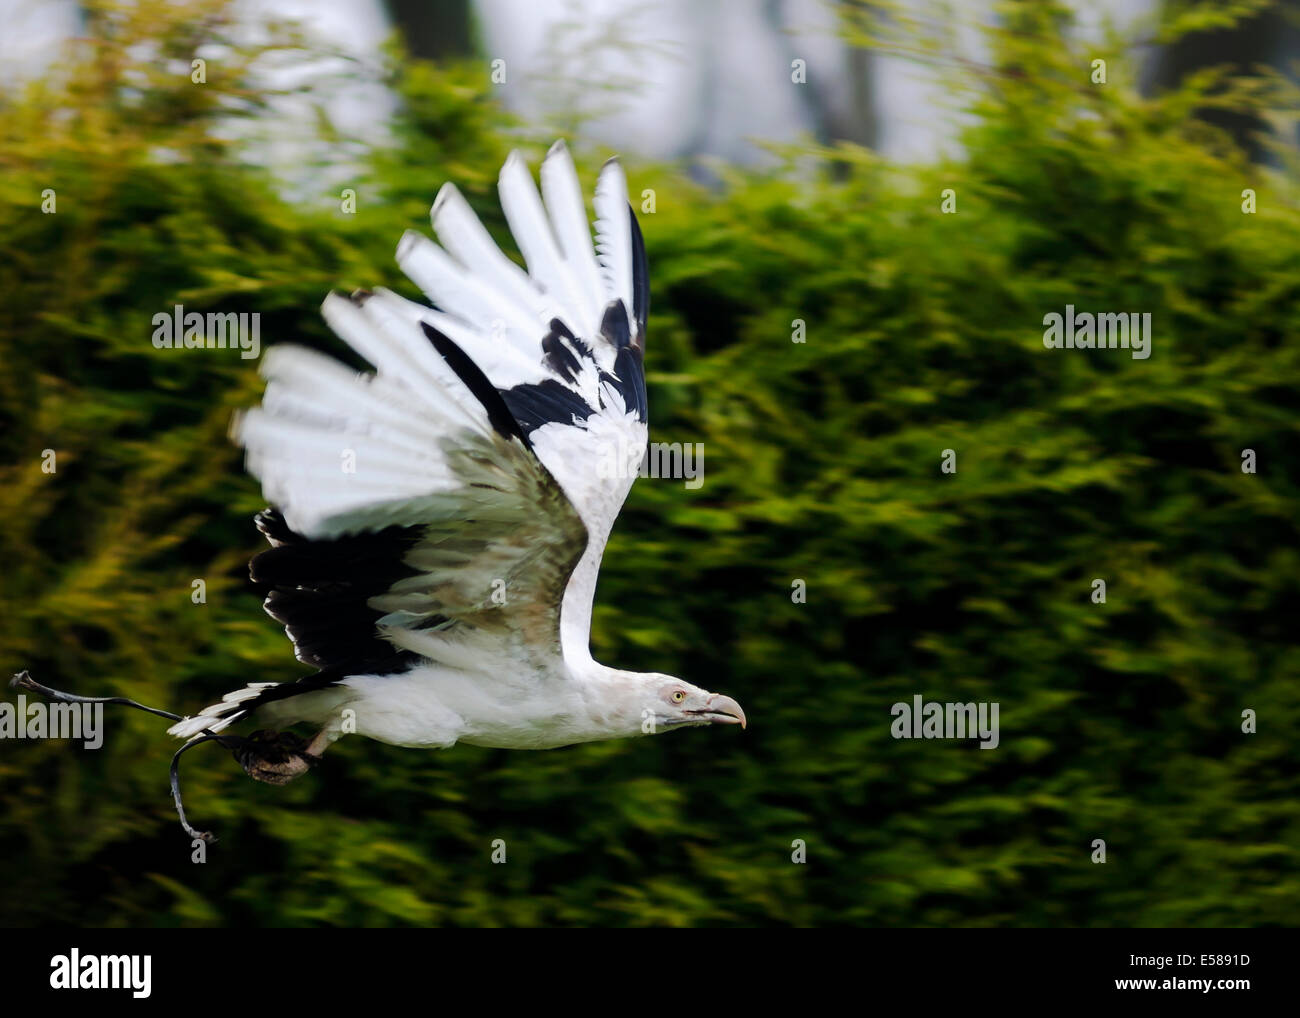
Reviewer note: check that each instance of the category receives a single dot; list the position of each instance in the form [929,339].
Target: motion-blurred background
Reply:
[822,326]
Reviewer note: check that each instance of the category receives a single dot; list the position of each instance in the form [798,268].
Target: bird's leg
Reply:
[324,739]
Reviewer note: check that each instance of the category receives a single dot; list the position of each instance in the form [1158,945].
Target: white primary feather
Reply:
[446,283]
[614,237]
[464,237]
[535,235]
[563,197]
[400,354]
[501,361]
[310,388]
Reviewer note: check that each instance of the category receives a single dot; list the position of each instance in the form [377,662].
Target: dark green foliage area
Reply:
[923,333]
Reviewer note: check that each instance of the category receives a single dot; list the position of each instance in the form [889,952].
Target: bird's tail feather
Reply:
[220,715]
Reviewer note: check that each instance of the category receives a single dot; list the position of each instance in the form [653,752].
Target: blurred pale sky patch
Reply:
[665,79]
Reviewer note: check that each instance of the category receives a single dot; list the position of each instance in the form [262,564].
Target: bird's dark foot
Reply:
[274,757]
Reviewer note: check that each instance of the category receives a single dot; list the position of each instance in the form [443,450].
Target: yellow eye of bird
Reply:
[679,696]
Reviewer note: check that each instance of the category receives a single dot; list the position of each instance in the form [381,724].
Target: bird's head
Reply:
[674,703]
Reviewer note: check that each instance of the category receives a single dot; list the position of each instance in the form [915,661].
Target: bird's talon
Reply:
[274,758]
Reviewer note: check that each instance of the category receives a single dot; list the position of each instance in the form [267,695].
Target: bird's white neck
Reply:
[575,610]
[618,703]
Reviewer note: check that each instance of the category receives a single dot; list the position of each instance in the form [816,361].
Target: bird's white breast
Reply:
[432,706]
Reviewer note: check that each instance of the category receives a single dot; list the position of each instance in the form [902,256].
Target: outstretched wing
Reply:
[564,341]
[405,507]
[460,484]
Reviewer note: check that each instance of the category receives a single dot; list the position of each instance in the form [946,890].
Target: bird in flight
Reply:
[438,523]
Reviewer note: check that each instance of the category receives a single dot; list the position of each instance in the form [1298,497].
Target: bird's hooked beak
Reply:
[723,710]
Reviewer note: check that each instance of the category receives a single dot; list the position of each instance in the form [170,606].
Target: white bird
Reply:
[439,523]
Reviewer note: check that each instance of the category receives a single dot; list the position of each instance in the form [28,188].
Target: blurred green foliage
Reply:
[1119,721]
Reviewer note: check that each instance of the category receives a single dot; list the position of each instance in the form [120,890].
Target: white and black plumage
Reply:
[439,524]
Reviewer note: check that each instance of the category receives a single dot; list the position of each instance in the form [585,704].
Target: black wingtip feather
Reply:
[640,281]
[546,402]
[560,351]
[629,379]
[485,392]
[614,327]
